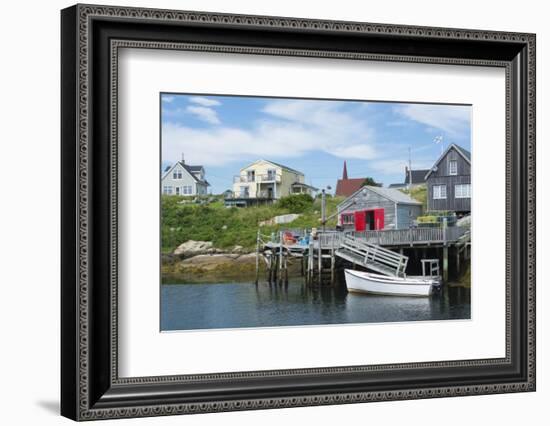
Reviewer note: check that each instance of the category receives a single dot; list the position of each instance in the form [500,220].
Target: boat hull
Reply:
[364,282]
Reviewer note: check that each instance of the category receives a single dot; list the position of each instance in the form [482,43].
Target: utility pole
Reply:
[324,207]
[410,169]
[323,214]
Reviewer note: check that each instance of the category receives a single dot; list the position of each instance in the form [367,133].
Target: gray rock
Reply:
[193,248]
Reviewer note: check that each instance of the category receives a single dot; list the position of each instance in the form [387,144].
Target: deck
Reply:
[394,238]
[381,251]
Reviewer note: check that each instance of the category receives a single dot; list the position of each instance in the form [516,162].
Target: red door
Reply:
[378,219]
[360,220]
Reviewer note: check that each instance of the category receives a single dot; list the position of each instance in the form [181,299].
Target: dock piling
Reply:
[320,261]
[257,257]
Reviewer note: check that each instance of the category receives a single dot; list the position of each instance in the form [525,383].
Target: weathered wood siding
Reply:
[376,201]
[406,214]
[441,177]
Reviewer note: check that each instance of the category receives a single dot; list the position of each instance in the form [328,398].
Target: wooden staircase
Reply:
[372,256]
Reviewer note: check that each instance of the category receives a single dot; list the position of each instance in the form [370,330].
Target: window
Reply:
[271,173]
[244,191]
[453,167]
[187,190]
[177,174]
[250,175]
[462,190]
[348,219]
[167,190]
[439,192]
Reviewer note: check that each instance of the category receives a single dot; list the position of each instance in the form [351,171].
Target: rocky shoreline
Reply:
[198,261]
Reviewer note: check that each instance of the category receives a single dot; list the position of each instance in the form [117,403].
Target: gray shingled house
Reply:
[375,208]
[449,181]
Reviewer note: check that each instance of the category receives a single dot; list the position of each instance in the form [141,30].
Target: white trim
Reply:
[468,192]
[440,195]
[273,164]
[451,171]
[442,156]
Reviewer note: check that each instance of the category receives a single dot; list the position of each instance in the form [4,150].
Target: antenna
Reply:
[439,140]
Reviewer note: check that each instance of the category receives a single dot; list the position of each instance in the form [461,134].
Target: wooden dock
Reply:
[381,251]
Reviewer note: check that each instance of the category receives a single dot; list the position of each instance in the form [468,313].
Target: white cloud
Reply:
[167,98]
[207,102]
[354,151]
[288,129]
[203,113]
[452,119]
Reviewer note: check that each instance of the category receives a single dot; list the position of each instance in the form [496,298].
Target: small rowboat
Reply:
[365,282]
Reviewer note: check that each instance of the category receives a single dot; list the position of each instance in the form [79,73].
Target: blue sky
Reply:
[225,133]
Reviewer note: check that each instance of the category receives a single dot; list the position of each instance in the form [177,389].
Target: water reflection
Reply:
[234,305]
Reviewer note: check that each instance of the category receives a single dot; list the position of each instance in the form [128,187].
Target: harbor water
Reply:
[237,305]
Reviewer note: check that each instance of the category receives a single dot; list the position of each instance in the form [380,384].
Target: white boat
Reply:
[365,282]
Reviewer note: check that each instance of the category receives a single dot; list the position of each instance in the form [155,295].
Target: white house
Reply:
[264,181]
[183,179]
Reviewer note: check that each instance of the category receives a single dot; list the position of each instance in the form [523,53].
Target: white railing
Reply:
[268,178]
[257,178]
[410,236]
[377,257]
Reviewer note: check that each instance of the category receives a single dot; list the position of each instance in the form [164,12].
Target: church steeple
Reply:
[345,173]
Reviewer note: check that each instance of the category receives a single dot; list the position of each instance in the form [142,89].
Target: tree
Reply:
[370,182]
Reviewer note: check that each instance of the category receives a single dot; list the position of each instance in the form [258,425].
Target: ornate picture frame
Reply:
[91,38]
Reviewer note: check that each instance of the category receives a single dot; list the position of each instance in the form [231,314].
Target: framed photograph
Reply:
[263,212]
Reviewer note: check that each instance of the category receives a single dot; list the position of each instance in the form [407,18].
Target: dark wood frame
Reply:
[90,386]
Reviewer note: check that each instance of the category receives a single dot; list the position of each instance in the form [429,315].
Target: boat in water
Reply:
[366,282]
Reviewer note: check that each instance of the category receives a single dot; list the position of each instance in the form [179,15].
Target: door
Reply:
[378,219]
[360,220]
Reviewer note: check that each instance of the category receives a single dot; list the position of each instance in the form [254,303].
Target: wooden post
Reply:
[269,267]
[310,262]
[257,257]
[320,260]
[286,269]
[445,263]
[332,266]
[280,256]
[445,252]
[457,260]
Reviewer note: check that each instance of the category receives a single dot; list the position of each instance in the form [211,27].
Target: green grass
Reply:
[419,193]
[227,227]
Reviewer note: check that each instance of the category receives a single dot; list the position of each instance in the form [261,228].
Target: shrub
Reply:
[427,219]
[297,203]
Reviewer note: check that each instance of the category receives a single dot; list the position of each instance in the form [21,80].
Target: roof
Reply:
[462,151]
[346,187]
[394,195]
[189,169]
[391,194]
[195,168]
[397,185]
[417,176]
[305,185]
[275,164]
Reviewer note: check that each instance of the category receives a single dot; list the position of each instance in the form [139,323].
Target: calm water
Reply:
[233,305]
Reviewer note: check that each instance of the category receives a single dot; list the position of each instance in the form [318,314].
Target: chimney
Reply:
[182,158]
[345,173]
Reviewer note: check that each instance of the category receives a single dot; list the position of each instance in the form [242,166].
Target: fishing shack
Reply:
[376,208]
